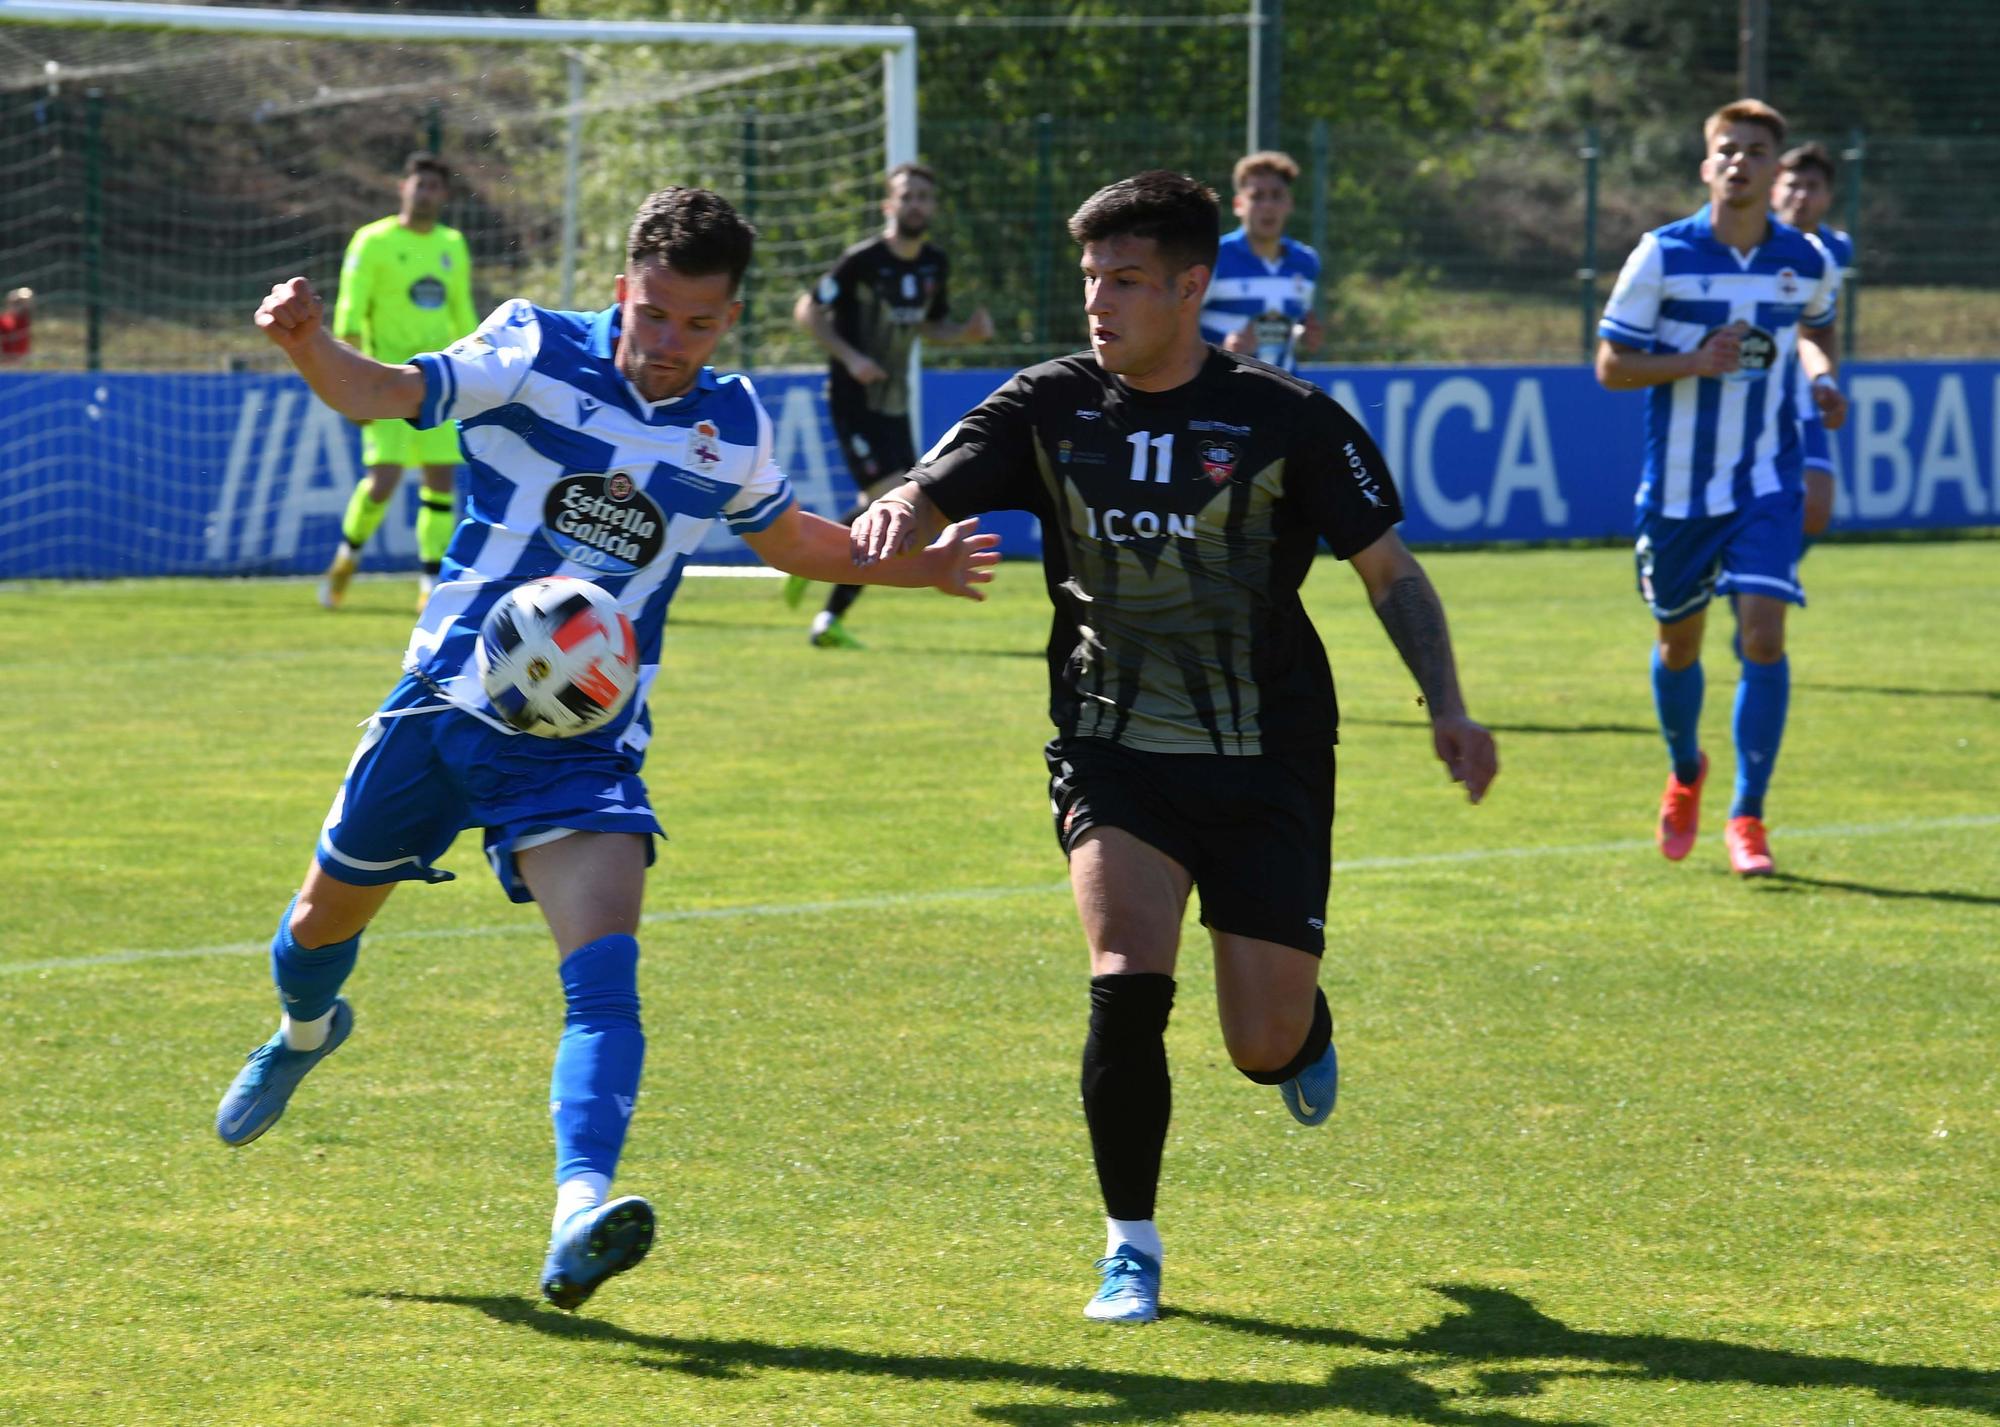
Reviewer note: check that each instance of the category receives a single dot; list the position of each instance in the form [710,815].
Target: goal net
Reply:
[158,174]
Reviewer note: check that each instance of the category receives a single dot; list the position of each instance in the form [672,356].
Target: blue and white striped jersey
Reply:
[569,471]
[1713,444]
[1276,295]
[1840,245]
[1818,450]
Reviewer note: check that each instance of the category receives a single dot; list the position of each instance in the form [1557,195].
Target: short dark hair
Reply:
[1813,155]
[912,169]
[1179,213]
[1744,111]
[424,161]
[692,231]
[1280,165]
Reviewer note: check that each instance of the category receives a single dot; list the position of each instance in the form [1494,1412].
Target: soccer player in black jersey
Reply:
[867,312]
[1183,492]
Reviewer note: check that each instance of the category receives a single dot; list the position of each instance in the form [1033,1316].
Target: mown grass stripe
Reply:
[981,894]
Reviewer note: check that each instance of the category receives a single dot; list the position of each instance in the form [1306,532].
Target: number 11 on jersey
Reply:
[1163,455]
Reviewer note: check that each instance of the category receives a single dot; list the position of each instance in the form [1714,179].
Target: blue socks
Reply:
[596,1077]
[1677,698]
[309,978]
[1761,701]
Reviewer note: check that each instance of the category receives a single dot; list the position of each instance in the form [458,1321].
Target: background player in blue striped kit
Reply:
[1260,299]
[1718,316]
[557,411]
[1802,197]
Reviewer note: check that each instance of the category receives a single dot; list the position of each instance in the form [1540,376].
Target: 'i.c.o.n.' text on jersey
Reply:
[1177,528]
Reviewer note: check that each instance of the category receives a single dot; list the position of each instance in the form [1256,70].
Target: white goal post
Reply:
[898,42]
[166,162]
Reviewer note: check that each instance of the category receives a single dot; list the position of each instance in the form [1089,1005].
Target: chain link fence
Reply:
[152,187]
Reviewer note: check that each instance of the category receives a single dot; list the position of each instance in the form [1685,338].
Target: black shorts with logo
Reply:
[876,445]
[1255,833]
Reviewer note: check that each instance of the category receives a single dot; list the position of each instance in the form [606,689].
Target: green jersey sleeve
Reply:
[350,305]
[458,289]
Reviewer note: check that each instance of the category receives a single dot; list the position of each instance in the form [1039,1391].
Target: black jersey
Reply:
[1177,528]
[879,301]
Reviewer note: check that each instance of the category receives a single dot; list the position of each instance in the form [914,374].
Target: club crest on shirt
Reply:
[704,447]
[1218,460]
[1788,284]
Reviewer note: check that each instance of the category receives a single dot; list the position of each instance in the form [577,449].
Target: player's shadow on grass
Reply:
[1494,1331]
[1556,728]
[1898,692]
[1784,881]
[1498,1327]
[1387,1391]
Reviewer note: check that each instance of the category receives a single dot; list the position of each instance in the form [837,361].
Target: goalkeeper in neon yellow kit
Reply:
[405,287]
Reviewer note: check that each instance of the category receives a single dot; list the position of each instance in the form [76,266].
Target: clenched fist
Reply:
[292,315]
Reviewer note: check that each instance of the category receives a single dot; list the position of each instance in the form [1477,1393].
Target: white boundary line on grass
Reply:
[987,894]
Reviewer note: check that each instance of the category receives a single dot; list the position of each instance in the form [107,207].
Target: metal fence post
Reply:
[572,176]
[434,127]
[1321,158]
[1857,150]
[1266,26]
[750,215]
[1586,275]
[1045,204]
[93,230]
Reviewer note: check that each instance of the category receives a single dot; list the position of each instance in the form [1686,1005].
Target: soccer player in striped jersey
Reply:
[598,445]
[1716,317]
[1802,197]
[1260,300]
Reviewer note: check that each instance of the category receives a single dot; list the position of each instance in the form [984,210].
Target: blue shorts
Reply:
[1683,564]
[420,778]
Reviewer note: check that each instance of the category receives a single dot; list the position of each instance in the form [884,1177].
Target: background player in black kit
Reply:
[1183,492]
[867,312]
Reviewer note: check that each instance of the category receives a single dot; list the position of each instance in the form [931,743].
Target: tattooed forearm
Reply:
[1410,611]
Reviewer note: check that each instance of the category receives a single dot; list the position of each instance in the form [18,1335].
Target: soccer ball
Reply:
[558,657]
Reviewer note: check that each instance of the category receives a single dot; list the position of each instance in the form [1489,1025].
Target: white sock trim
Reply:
[1141,1234]
[305,1035]
[581,1191]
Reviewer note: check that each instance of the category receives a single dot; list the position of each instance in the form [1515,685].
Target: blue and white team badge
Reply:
[604,523]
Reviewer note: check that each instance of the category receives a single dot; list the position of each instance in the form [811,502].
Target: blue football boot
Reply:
[257,1096]
[594,1244]
[1310,1094]
[1131,1289]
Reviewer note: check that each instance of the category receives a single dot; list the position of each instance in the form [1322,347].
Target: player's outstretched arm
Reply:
[1410,611]
[294,317]
[801,543]
[903,519]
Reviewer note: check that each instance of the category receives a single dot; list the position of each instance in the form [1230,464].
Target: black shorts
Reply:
[1255,833]
[876,445]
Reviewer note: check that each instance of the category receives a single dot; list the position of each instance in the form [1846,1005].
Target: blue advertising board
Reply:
[235,473]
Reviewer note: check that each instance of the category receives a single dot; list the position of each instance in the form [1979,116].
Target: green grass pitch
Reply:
[1620,1142]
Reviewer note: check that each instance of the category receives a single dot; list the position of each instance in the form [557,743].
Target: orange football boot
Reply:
[1749,848]
[1680,813]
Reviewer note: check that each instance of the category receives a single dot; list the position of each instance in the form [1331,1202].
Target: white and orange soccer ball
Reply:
[558,657]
